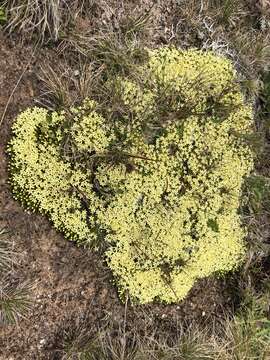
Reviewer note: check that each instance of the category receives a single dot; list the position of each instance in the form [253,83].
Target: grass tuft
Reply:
[43,20]
[34,17]
[248,334]
[6,252]
[65,86]
[14,297]
[14,302]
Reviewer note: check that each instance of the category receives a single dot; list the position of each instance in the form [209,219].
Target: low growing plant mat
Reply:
[152,173]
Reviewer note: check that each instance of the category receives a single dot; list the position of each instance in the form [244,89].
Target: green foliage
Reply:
[155,171]
[227,9]
[248,334]
[14,302]
[266,93]
[3,17]
[258,189]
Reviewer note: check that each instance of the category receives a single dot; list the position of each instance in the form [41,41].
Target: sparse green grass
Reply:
[244,336]
[102,343]
[108,344]
[247,335]
[3,17]
[191,343]
[14,297]
[258,192]
[14,302]
[266,94]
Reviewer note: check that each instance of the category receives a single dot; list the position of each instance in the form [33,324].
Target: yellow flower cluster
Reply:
[160,184]
[89,129]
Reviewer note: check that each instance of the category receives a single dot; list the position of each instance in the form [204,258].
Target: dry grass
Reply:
[227,27]
[45,20]
[14,296]
[94,59]
[118,45]
[6,251]
[34,16]
[244,336]
[63,86]
[109,344]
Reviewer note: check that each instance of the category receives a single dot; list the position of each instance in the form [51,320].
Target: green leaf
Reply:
[3,16]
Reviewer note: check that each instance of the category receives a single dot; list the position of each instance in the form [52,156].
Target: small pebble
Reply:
[42,341]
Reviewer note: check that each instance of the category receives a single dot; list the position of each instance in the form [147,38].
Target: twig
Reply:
[124,331]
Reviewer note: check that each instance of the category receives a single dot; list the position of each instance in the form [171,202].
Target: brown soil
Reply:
[71,285]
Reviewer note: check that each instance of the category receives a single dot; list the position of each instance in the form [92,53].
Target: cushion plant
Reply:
[154,173]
